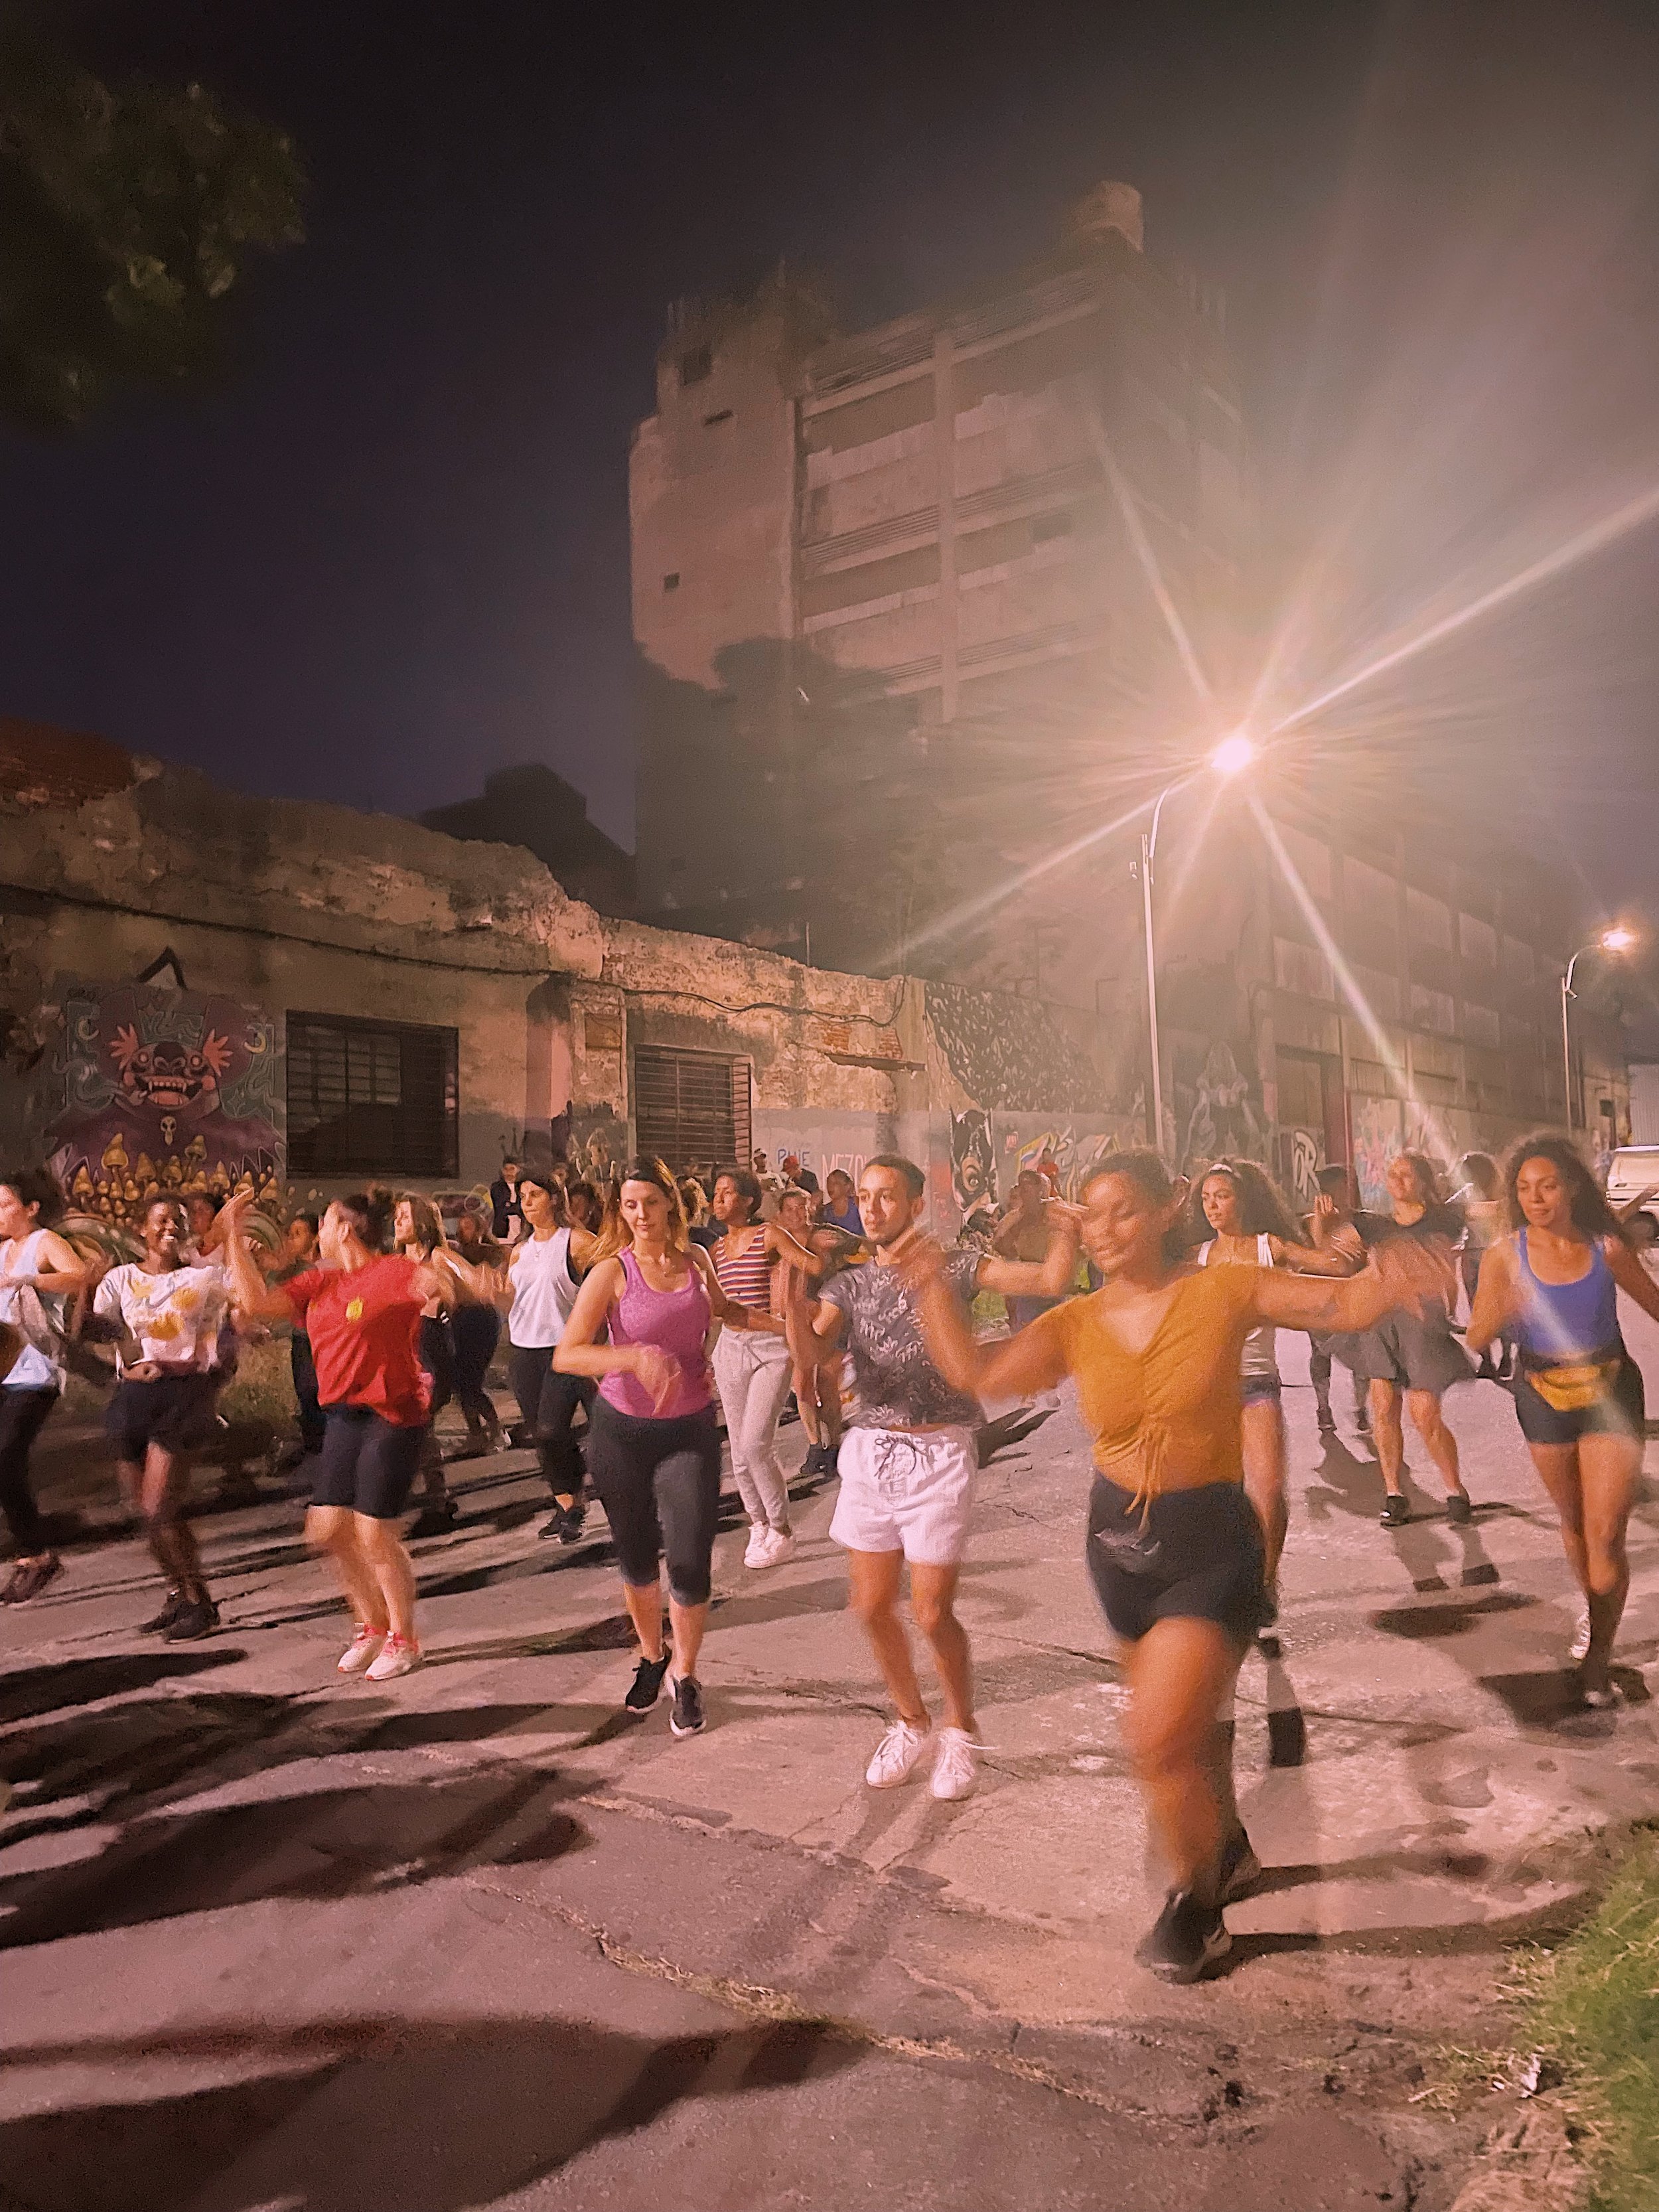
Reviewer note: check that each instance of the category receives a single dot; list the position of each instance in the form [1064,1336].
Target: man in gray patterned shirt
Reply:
[908,1459]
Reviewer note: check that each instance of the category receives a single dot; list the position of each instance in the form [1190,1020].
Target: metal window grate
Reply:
[371,1097]
[691,1108]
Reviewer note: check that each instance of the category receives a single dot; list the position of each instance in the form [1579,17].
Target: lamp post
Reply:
[1232,755]
[1618,939]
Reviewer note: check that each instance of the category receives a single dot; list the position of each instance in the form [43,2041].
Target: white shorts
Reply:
[906,1491]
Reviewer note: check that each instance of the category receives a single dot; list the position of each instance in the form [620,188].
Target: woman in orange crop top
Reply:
[1175,1547]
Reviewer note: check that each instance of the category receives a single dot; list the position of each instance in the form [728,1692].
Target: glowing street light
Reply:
[1231,758]
[1618,938]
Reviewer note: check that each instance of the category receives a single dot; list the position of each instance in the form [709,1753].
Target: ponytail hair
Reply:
[369,1213]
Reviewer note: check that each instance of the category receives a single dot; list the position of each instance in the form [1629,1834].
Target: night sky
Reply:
[390,552]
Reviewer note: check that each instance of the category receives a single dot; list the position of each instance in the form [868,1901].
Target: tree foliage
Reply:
[126,215]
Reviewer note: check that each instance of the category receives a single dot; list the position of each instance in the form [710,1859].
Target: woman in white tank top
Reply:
[544,1271]
[38,1271]
[1250,1226]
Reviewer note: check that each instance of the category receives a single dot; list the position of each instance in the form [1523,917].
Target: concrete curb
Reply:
[1527,2162]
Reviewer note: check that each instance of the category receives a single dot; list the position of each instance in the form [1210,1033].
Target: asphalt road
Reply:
[269,1939]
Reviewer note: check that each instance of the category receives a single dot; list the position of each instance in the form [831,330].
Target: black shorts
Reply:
[1196,1556]
[367,1464]
[1622,1410]
[175,1411]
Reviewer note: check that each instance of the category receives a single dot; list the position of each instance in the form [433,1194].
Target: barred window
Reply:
[692,1108]
[371,1097]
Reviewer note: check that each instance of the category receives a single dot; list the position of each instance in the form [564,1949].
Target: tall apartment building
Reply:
[891,593]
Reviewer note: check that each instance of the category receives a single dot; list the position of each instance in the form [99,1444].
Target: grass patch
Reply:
[1596,2008]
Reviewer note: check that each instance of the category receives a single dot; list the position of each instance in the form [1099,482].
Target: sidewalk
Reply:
[223,1825]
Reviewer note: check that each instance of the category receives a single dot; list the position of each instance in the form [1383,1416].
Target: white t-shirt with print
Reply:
[176,1318]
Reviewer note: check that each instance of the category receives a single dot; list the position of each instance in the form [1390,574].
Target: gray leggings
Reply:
[660,1483]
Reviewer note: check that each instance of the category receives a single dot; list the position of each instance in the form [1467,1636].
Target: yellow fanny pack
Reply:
[1573,1386]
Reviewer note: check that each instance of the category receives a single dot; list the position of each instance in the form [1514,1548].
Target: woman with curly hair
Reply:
[1553,1285]
[1250,1225]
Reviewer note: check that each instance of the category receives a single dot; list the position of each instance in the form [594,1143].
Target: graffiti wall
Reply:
[163,1091]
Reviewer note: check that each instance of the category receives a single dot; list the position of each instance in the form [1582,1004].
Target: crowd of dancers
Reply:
[1160,1300]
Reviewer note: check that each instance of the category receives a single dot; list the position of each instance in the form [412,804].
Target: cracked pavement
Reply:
[269,1938]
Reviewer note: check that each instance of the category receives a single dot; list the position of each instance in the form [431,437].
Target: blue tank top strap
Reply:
[1563,1321]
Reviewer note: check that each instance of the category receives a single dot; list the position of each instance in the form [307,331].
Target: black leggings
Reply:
[303,1368]
[436,1353]
[475,1331]
[549,1402]
[21,1412]
[660,1483]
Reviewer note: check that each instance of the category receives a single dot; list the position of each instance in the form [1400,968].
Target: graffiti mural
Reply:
[163,1091]
[973,1173]
[1223,1120]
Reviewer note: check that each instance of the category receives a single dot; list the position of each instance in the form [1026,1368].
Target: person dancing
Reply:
[362,1310]
[544,1271]
[654,1454]
[1175,1547]
[1553,1287]
[1250,1225]
[38,1272]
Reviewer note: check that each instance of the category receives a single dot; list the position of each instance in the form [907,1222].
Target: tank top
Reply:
[1567,1321]
[676,1321]
[33,1369]
[1262,1345]
[543,1291]
[746,1281]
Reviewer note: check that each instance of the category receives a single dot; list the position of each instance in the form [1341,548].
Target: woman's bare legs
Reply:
[1262,1425]
[1181,1677]
[1592,1484]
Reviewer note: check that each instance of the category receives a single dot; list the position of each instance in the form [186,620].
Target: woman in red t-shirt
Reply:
[361,1311]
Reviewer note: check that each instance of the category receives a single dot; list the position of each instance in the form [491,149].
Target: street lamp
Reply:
[1620,937]
[1230,758]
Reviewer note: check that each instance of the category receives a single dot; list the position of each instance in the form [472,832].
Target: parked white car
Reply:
[1634,1174]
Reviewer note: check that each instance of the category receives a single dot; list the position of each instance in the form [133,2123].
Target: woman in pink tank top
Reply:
[654,1454]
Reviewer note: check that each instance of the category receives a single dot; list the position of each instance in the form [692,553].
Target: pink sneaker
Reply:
[360,1650]
[400,1655]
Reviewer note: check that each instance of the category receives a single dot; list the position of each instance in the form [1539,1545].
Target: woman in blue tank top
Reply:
[1552,1286]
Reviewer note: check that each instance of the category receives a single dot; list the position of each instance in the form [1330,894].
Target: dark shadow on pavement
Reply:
[1419,1622]
[345,2117]
[1555,1694]
[326,1844]
[32,1690]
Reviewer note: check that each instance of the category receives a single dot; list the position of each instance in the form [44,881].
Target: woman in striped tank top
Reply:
[751,1368]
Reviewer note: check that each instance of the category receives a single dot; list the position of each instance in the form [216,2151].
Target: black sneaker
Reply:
[1396,1510]
[434,1520]
[647,1686]
[1186,1940]
[1240,1869]
[160,1624]
[1362,1420]
[686,1718]
[1460,1509]
[198,1616]
[565,1525]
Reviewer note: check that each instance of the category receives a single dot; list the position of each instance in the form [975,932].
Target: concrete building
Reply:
[531,805]
[894,597]
[197,986]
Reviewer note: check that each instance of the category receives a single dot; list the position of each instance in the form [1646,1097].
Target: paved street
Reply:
[475,1939]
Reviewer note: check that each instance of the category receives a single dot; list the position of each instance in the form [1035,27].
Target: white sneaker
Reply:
[756,1554]
[1579,1648]
[400,1656]
[361,1650]
[896,1755]
[954,1772]
[779,1546]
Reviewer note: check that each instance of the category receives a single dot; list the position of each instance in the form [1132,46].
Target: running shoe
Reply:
[1601,1698]
[779,1547]
[196,1617]
[29,1577]
[565,1525]
[435,1520]
[363,1649]
[755,1555]
[896,1755]
[1460,1508]
[1240,1869]
[159,1623]
[1396,1510]
[954,1771]
[1578,1650]
[1362,1420]
[1185,1941]
[685,1715]
[647,1686]
[400,1655]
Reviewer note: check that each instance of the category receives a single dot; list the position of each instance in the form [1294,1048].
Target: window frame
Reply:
[440,1160]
